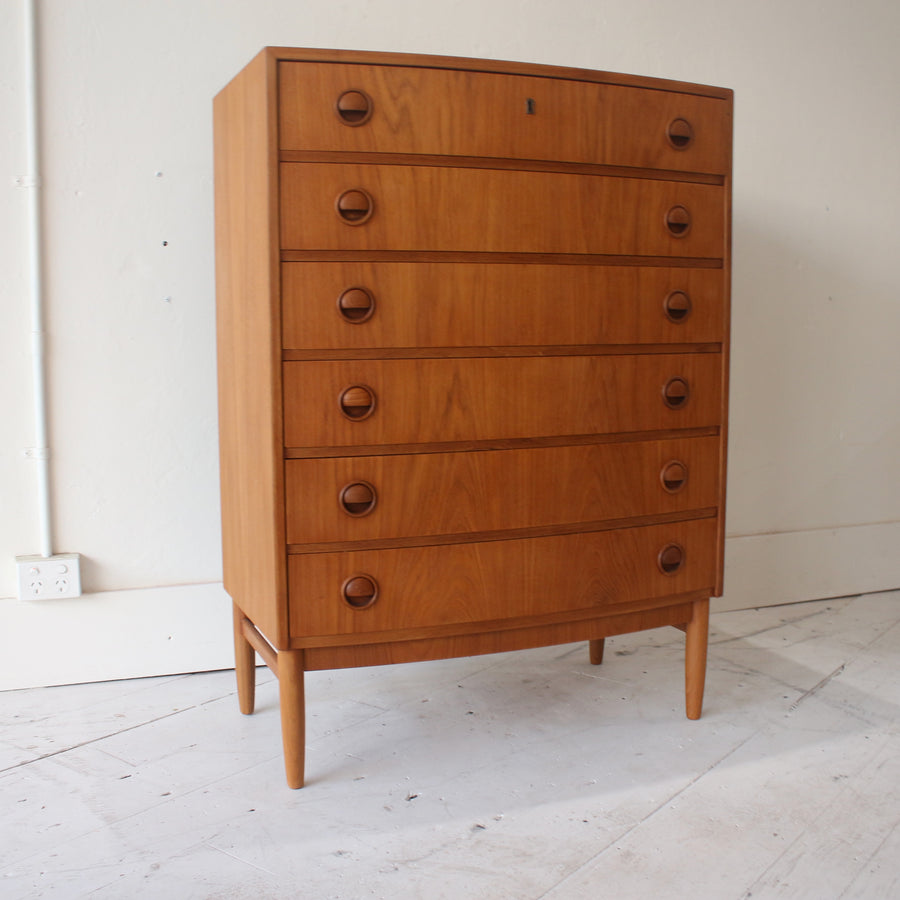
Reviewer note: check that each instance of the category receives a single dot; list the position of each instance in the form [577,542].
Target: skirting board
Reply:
[171,630]
[115,634]
[771,569]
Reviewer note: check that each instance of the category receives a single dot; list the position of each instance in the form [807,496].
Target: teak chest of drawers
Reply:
[473,355]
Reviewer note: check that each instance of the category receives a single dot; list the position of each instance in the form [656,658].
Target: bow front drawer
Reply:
[378,591]
[326,206]
[362,305]
[393,109]
[366,498]
[411,401]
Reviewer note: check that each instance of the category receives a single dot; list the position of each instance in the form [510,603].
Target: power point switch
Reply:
[49,577]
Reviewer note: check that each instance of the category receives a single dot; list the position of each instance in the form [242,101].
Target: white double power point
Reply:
[49,577]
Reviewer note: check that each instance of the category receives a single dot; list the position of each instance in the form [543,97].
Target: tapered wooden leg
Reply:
[695,658]
[244,665]
[293,714]
[596,651]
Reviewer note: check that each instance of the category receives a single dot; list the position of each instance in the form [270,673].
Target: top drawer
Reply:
[395,109]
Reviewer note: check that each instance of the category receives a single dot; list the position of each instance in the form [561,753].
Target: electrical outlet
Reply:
[49,577]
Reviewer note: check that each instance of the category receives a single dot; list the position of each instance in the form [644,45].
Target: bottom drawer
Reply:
[438,587]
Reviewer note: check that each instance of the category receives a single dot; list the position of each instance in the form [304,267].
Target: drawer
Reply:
[367,498]
[367,592]
[360,305]
[394,109]
[407,401]
[423,208]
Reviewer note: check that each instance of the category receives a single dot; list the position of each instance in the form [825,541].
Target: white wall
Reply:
[814,503]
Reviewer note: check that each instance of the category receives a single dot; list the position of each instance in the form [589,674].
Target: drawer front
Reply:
[364,108]
[366,592]
[351,305]
[350,403]
[424,208]
[381,497]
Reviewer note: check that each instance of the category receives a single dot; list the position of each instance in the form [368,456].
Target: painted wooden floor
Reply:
[510,777]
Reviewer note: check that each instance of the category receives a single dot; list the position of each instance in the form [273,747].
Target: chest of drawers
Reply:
[472,336]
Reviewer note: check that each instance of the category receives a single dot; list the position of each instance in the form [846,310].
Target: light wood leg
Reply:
[695,658]
[244,665]
[596,651]
[293,714]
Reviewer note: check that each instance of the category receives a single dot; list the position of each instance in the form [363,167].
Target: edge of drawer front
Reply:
[490,210]
[469,493]
[451,585]
[463,113]
[439,400]
[484,304]
[338,653]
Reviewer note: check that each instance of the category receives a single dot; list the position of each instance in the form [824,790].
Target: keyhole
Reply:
[529,106]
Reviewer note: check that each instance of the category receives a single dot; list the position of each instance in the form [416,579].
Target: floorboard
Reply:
[521,776]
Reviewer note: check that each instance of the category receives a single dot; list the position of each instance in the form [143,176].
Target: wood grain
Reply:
[474,305]
[505,67]
[292,704]
[445,586]
[489,210]
[425,400]
[496,490]
[604,623]
[491,479]
[248,340]
[570,120]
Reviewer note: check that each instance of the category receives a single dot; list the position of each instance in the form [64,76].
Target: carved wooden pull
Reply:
[356,305]
[673,476]
[670,559]
[677,306]
[358,499]
[357,402]
[354,107]
[360,591]
[680,133]
[678,221]
[676,393]
[355,206]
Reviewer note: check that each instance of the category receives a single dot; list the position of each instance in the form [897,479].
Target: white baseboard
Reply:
[170,630]
[115,634]
[770,569]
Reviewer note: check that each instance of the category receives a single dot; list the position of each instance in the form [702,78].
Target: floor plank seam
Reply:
[88,743]
[645,819]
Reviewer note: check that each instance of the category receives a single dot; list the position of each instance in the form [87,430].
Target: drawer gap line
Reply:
[338,157]
[510,534]
[500,258]
[511,352]
[591,614]
[498,443]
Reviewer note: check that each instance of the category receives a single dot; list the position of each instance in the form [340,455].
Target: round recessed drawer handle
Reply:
[678,221]
[354,107]
[676,393]
[680,133]
[357,402]
[356,305]
[359,591]
[677,306]
[355,206]
[358,499]
[673,475]
[670,559]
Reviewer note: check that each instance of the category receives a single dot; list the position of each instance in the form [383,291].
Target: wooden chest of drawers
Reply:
[472,332]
